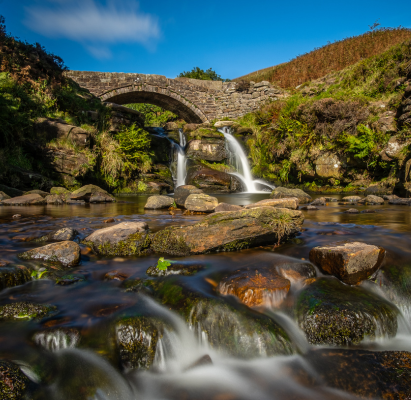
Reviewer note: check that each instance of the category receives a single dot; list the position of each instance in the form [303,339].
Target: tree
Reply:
[198,73]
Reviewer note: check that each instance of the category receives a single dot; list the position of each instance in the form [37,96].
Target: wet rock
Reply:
[115,276]
[371,199]
[25,200]
[57,338]
[207,149]
[231,230]
[25,310]
[54,199]
[351,199]
[390,197]
[228,325]
[400,202]
[125,238]
[320,201]
[13,275]
[91,193]
[16,216]
[328,165]
[182,192]
[332,313]
[4,196]
[349,262]
[157,202]
[66,253]
[289,202]
[40,192]
[378,190]
[75,202]
[309,208]
[352,211]
[69,279]
[204,360]
[13,382]
[175,269]
[227,207]
[60,235]
[256,287]
[371,374]
[330,199]
[295,272]
[201,202]
[282,193]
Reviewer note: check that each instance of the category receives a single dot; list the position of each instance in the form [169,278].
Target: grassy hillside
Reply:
[332,57]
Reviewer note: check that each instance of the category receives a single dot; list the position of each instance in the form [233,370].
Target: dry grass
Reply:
[332,57]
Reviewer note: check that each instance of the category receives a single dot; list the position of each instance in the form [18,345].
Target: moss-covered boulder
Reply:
[367,374]
[14,275]
[330,312]
[60,235]
[59,191]
[25,310]
[13,382]
[125,238]
[92,193]
[283,193]
[227,326]
[67,253]
[228,231]
[207,149]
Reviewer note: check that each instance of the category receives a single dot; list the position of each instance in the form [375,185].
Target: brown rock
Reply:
[54,199]
[158,202]
[115,276]
[182,192]
[289,202]
[227,207]
[201,203]
[109,221]
[309,208]
[283,193]
[89,193]
[25,200]
[371,199]
[256,287]
[351,199]
[207,149]
[352,211]
[101,198]
[319,202]
[66,253]
[40,192]
[349,262]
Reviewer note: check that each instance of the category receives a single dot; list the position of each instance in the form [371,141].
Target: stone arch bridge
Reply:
[193,100]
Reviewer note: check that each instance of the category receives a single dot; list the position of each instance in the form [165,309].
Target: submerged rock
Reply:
[282,193]
[13,275]
[125,238]
[25,310]
[400,201]
[182,192]
[367,374]
[350,262]
[92,193]
[59,235]
[321,201]
[201,203]
[227,207]
[309,208]
[296,272]
[66,253]
[55,339]
[13,382]
[332,313]
[25,200]
[157,202]
[289,202]
[175,269]
[256,287]
[232,230]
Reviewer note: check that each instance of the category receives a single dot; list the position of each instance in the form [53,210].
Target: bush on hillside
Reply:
[198,73]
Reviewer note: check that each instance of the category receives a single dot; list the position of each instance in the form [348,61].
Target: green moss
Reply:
[169,241]
[14,275]
[13,382]
[25,310]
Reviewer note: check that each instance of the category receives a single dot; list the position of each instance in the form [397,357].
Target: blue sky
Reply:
[167,37]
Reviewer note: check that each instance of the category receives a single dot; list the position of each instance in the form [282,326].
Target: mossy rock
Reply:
[175,269]
[229,327]
[25,310]
[330,312]
[13,382]
[14,275]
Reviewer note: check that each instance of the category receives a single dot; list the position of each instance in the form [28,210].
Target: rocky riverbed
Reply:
[197,295]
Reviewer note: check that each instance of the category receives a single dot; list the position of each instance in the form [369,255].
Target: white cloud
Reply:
[93,24]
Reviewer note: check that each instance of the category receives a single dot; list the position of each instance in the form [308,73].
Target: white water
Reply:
[239,160]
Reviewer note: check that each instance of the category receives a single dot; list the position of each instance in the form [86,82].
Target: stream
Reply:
[72,354]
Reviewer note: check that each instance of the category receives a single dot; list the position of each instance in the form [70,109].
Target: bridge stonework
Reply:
[193,100]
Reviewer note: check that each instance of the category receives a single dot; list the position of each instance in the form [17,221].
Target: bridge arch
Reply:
[166,99]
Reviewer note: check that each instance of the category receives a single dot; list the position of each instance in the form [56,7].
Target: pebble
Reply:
[16,216]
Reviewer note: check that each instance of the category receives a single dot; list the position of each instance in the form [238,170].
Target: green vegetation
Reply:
[198,73]
[163,264]
[153,115]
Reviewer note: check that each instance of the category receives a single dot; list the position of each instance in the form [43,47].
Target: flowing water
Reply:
[73,354]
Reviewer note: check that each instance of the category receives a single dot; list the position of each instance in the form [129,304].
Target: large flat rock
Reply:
[289,202]
[283,193]
[25,200]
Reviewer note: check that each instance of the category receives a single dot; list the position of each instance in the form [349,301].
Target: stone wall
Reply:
[191,99]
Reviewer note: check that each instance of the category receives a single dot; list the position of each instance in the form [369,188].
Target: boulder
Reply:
[54,199]
[157,202]
[371,199]
[24,310]
[328,165]
[25,200]
[289,202]
[125,238]
[352,211]
[60,235]
[171,126]
[400,201]
[332,313]
[255,287]
[4,196]
[59,191]
[330,199]
[283,193]
[378,190]
[228,231]
[390,197]
[13,382]
[351,199]
[296,272]
[40,192]
[394,149]
[207,149]
[66,253]
[13,275]
[90,192]
[350,262]
[227,207]
[222,124]
[201,203]
[12,192]
[363,373]
[320,201]
[182,192]
[101,198]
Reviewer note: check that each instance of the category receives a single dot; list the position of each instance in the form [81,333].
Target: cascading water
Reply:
[238,159]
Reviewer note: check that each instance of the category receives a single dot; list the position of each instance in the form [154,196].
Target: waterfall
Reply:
[238,159]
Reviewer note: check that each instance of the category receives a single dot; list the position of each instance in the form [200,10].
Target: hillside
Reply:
[329,58]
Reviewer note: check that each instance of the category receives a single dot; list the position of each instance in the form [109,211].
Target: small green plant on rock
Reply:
[163,264]
[38,274]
